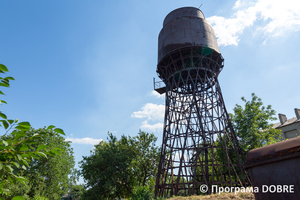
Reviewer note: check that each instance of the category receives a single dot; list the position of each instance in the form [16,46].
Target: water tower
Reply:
[199,144]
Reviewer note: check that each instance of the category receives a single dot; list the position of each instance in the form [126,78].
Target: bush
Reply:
[39,198]
[141,193]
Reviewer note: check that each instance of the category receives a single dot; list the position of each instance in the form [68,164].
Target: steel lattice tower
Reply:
[199,144]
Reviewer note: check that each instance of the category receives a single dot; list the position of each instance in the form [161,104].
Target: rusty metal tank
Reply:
[274,170]
[186,36]
[185,27]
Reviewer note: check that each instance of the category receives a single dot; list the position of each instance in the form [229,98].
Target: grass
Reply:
[223,196]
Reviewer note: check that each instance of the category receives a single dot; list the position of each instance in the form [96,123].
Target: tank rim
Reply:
[165,22]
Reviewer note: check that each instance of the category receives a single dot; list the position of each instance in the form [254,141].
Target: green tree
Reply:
[23,155]
[17,149]
[107,171]
[253,129]
[252,124]
[117,167]
[141,193]
[53,176]
[77,190]
[147,158]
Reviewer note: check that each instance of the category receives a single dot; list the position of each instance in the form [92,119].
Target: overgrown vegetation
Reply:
[50,177]
[252,126]
[28,158]
[117,168]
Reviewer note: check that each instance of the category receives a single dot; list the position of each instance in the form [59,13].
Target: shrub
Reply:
[141,193]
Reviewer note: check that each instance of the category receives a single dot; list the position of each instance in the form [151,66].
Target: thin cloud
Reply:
[278,18]
[151,127]
[86,140]
[157,95]
[152,112]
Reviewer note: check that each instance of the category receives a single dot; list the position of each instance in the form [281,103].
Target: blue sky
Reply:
[88,66]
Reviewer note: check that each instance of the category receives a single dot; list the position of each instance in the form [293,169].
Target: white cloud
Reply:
[237,4]
[153,127]
[278,17]
[284,15]
[153,113]
[86,140]
[157,95]
[150,111]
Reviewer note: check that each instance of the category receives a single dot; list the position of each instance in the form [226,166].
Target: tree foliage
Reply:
[252,124]
[147,158]
[51,177]
[253,129]
[107,170]
[141,193]
[77,190]
[116,167]
[19,146]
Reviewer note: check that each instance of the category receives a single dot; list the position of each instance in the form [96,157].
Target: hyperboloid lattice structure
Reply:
[199,144]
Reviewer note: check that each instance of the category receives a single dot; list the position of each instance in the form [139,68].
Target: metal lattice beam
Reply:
[197,129]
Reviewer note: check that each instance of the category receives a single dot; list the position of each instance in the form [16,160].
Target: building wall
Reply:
[290,128]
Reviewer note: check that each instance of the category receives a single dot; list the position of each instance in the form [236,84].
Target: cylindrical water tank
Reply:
[185,27]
